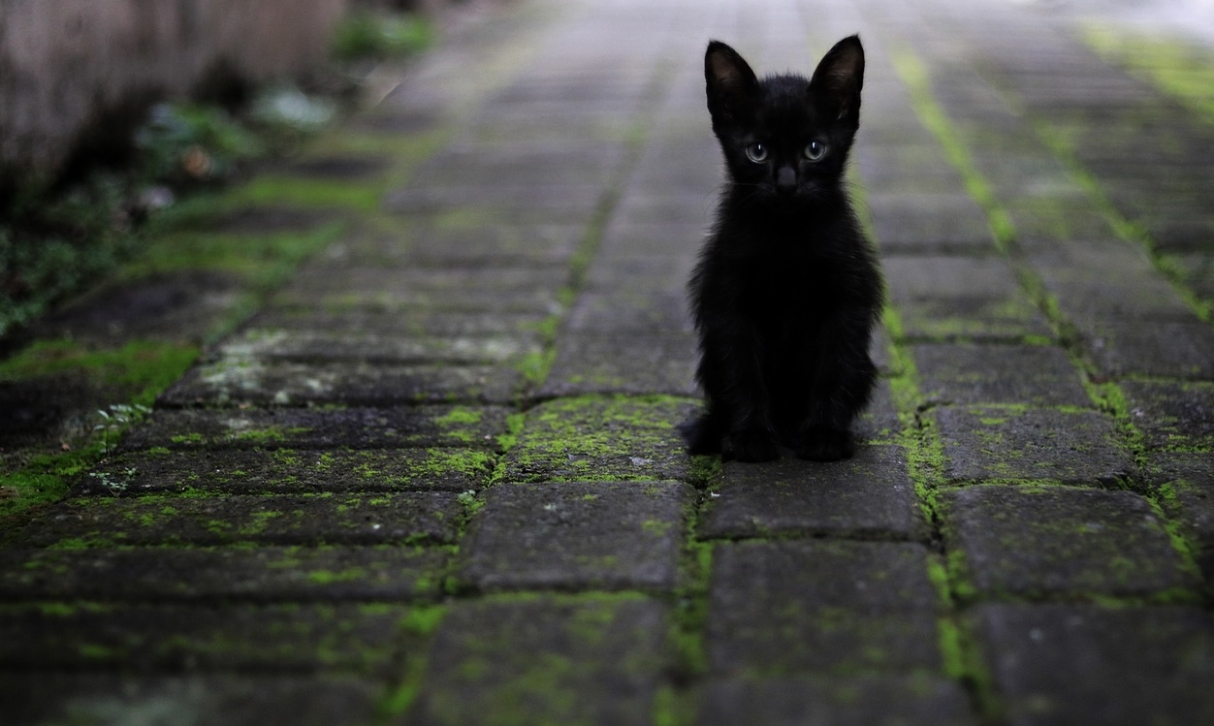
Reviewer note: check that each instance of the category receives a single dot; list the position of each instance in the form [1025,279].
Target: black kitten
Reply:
[787,289]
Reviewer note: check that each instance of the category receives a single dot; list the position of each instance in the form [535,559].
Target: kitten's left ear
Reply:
[840,76]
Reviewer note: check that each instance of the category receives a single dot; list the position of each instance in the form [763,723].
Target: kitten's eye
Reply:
[815,151]
[756,153]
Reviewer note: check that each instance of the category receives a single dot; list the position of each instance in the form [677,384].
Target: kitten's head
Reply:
[785,137]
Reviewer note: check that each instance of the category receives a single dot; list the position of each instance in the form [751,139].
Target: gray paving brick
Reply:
[577,536]
[1068,664]
[1186,481]
[821,606]
[545,660]
[267,574]
[866,700]
[636,365]
[929,222]
[358,428]
[238,381]
[1162,348]
[423,324]
[594,439]
[1172,415]
[1107,280]
[1061,542]
[174,637]
[1036,375]
[870,495]
[650,313]
[205,700]
[288,471]
[376,349]
[1074,447]
[503,204]
[302,519]
[951,298]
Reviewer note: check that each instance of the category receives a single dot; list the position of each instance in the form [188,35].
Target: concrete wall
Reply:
[66,63]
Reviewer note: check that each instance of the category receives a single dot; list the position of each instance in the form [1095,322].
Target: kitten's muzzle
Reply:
[786,180]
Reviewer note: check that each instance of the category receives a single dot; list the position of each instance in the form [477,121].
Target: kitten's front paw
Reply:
[750,445]
[823,444]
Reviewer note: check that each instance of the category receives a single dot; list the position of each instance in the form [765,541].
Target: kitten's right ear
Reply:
[732,85]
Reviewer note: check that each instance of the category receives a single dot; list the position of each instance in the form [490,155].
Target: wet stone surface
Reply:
[577,536]
[1057,542]
[1077,447]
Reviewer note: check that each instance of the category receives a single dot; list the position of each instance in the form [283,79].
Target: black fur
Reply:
[787,289]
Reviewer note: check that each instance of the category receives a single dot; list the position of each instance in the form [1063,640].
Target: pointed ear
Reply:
[839,78]
[732,85]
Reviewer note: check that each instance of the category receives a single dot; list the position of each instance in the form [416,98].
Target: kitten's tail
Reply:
[703,434]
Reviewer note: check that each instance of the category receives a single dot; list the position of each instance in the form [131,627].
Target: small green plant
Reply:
[111,484]
[369,35]
[115,420]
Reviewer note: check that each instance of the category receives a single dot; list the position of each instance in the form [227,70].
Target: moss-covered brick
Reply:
[870,495]
[355,428]
[1173,415]
[173,637]
[1014,442]
[820,606]
[545,660]
[207,575]
[577,536]
[1076,663]
[300,519]
[601,439]
[1060,542]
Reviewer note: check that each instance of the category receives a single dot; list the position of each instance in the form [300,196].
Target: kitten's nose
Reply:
[786,179]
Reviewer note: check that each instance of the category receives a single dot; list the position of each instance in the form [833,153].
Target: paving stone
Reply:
[950,298]
[1189,497]
[577,536]
[677,239]
[356,428]
[37,699]
[545,660]
[1035,375]
[637,206]
[597,439]
[288,471]
[927,222]
[587,364]
[820,606]
[1096,281]
[1160,348]
[282,638]
[375,349]
[559,162]
[866,700]
[905,167]
[177,306]
[1172,415]
[1070,664]
[496,247]
[627,271]
[245,381]
[431,324]
[1032,542]
[870,495]
[651,313]
[534,289]
[1197,271]
[1072,447]
[266,574]
[398,517]
[502,204]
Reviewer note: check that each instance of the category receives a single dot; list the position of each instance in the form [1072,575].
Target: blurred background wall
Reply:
[71,69]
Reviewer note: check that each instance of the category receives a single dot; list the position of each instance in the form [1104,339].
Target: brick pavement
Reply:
[435,479]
